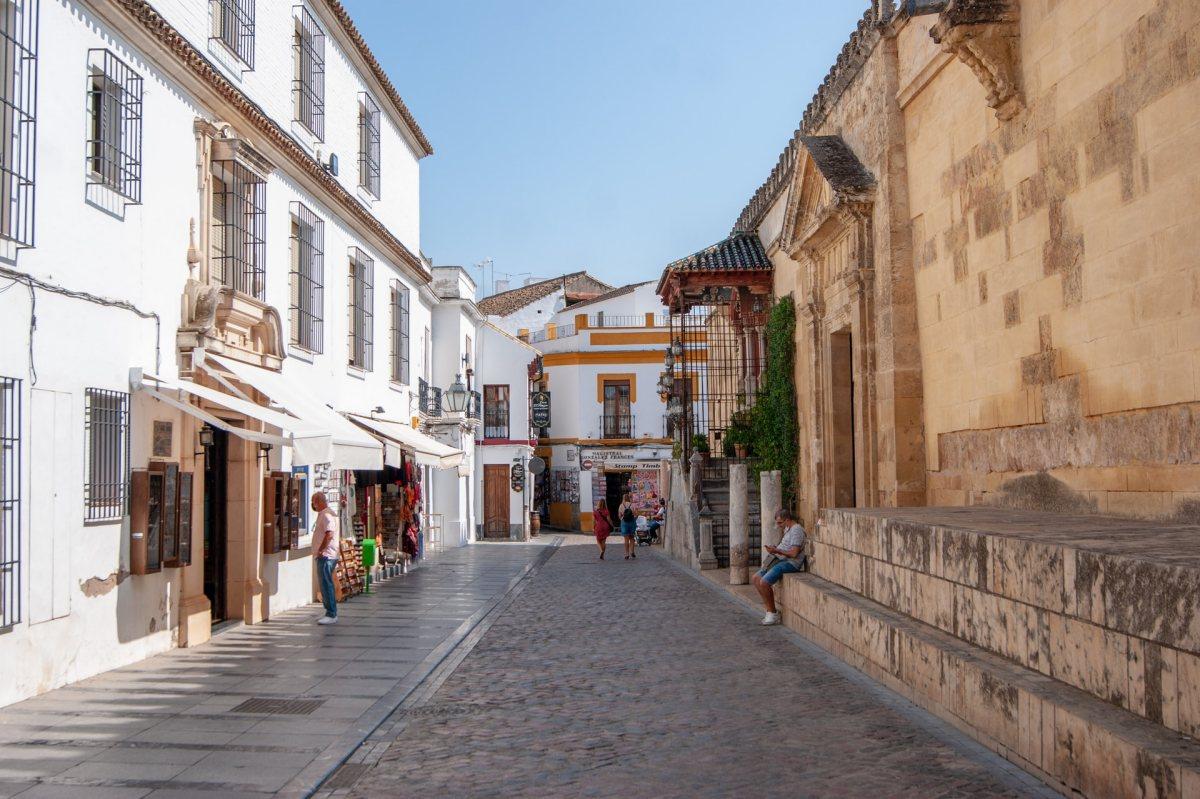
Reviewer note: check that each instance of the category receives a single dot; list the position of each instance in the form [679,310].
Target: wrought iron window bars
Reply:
[106,428]
[308,84]
[362,309]
[307,309]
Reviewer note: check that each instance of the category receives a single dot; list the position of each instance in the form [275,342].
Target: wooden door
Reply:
[495,501]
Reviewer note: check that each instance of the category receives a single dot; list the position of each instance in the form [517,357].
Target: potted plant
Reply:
[700,444]
[737,437]
[676,450]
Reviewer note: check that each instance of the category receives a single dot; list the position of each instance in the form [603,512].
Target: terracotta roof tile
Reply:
[739,251]
[508,302]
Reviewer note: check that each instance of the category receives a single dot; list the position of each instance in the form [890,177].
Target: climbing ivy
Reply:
[774,431]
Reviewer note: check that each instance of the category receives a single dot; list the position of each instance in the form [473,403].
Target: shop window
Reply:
[308,84]
[18,124]
[281,512]
[10,502]
[362,308]
[106,429]
[160,523]
[495,412]
[233,26]
[368,145]
[307,279]
[400,320]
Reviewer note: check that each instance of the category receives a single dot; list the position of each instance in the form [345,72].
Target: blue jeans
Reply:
[325,567]
[775,573]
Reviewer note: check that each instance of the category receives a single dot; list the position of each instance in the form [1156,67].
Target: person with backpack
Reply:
[628,525]
[601,526]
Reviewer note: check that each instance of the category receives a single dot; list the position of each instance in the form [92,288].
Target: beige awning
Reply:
[397,435]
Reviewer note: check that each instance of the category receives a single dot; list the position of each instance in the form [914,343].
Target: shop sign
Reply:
[518,472]
[539,408]
[587,465]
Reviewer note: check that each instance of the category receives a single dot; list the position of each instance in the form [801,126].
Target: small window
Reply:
[114,143]
[238,247]
[308,84]
[400,320]
[495,412]
[368,145]
[18,101]
[233,26]
[362,308]
[10,501]
[308,273]
[106,430]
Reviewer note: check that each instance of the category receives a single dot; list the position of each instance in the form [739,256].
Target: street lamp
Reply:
[207,437]
[676,348]
[669,360]
[455,398]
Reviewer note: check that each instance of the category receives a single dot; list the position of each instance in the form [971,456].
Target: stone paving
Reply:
[634,678]
[167,727]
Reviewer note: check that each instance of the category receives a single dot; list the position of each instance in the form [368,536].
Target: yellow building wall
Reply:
[1056,259]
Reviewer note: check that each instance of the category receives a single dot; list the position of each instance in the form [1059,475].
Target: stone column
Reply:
[771,500]
[707,559]
[739,525]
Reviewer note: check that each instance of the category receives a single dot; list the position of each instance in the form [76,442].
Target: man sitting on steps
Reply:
[788,558]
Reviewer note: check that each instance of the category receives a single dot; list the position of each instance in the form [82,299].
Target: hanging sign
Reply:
[539,408]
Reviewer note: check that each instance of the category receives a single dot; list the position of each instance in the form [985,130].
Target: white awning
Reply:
[319,433]
[428,451]
[162,389]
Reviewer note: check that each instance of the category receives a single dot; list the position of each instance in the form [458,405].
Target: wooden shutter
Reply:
[270,530]
[293,507]
[170,515]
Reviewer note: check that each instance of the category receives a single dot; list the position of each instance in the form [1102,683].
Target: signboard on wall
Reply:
[539,409]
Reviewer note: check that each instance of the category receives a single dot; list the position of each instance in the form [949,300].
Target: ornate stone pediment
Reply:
[830,188]
[986,36]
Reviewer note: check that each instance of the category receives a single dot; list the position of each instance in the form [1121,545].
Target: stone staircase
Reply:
[714,485]
[1070,645]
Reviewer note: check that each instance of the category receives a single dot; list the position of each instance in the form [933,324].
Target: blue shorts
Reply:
[775,573]
[628,529]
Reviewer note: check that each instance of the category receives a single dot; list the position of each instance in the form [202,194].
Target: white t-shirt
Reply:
[793,537]
[327,520]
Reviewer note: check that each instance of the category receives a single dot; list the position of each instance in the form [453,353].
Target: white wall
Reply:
[533,316]
[90,614]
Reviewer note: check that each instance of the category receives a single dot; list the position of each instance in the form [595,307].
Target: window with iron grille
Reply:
[18,119]
[362,308]
[114,143]
[307,309]
[10,501]
[106,430]
[368,144]
[495,412]
[233,26]
[238,248]
[400,362]
[308,84]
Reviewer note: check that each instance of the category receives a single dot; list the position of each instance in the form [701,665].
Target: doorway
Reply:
[216,470]
[495,501]
[841,365]
[616,484]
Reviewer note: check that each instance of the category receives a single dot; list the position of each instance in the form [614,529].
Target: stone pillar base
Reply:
[254,602]
[195,620]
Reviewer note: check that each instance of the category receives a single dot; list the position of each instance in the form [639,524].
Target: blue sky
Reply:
[611,135]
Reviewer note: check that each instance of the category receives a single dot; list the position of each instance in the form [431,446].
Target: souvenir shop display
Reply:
[349,576]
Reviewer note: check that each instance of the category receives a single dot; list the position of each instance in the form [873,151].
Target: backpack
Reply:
[627,516]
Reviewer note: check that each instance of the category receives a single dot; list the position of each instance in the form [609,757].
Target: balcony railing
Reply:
[435,402]
[475,405]
[495,422]
[628,320]
[429,399]
[619,426]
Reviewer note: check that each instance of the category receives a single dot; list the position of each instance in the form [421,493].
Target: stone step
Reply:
[1077,599]
[1067,737]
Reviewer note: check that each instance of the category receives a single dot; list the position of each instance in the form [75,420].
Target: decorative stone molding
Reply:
[227,322]
[986,36]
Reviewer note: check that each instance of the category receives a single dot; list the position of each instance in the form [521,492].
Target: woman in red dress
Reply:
[601,525]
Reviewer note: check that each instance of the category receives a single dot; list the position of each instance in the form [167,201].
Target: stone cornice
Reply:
[153,24]
[985,35]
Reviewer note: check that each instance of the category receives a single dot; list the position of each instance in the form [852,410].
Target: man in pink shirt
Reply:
[327,538]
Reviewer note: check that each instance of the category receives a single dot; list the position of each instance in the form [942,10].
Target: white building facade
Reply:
[206,278]
[601,363]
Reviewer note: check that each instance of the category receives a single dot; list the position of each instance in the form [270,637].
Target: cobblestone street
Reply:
[631,679]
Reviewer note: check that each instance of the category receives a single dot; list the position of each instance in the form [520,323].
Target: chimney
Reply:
[500,286]
[529,281]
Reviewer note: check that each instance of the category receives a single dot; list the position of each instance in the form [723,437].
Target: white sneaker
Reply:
[333,620]
[771,618]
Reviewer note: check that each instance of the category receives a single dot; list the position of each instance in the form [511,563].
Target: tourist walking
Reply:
[628,525]
[328,538]
[602,525]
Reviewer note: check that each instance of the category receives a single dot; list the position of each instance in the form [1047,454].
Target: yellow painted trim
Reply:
[543,452]
[551,331]
[649,319]
[585,521]
[630,376]
[614,357]
[611,339]
[581,322]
